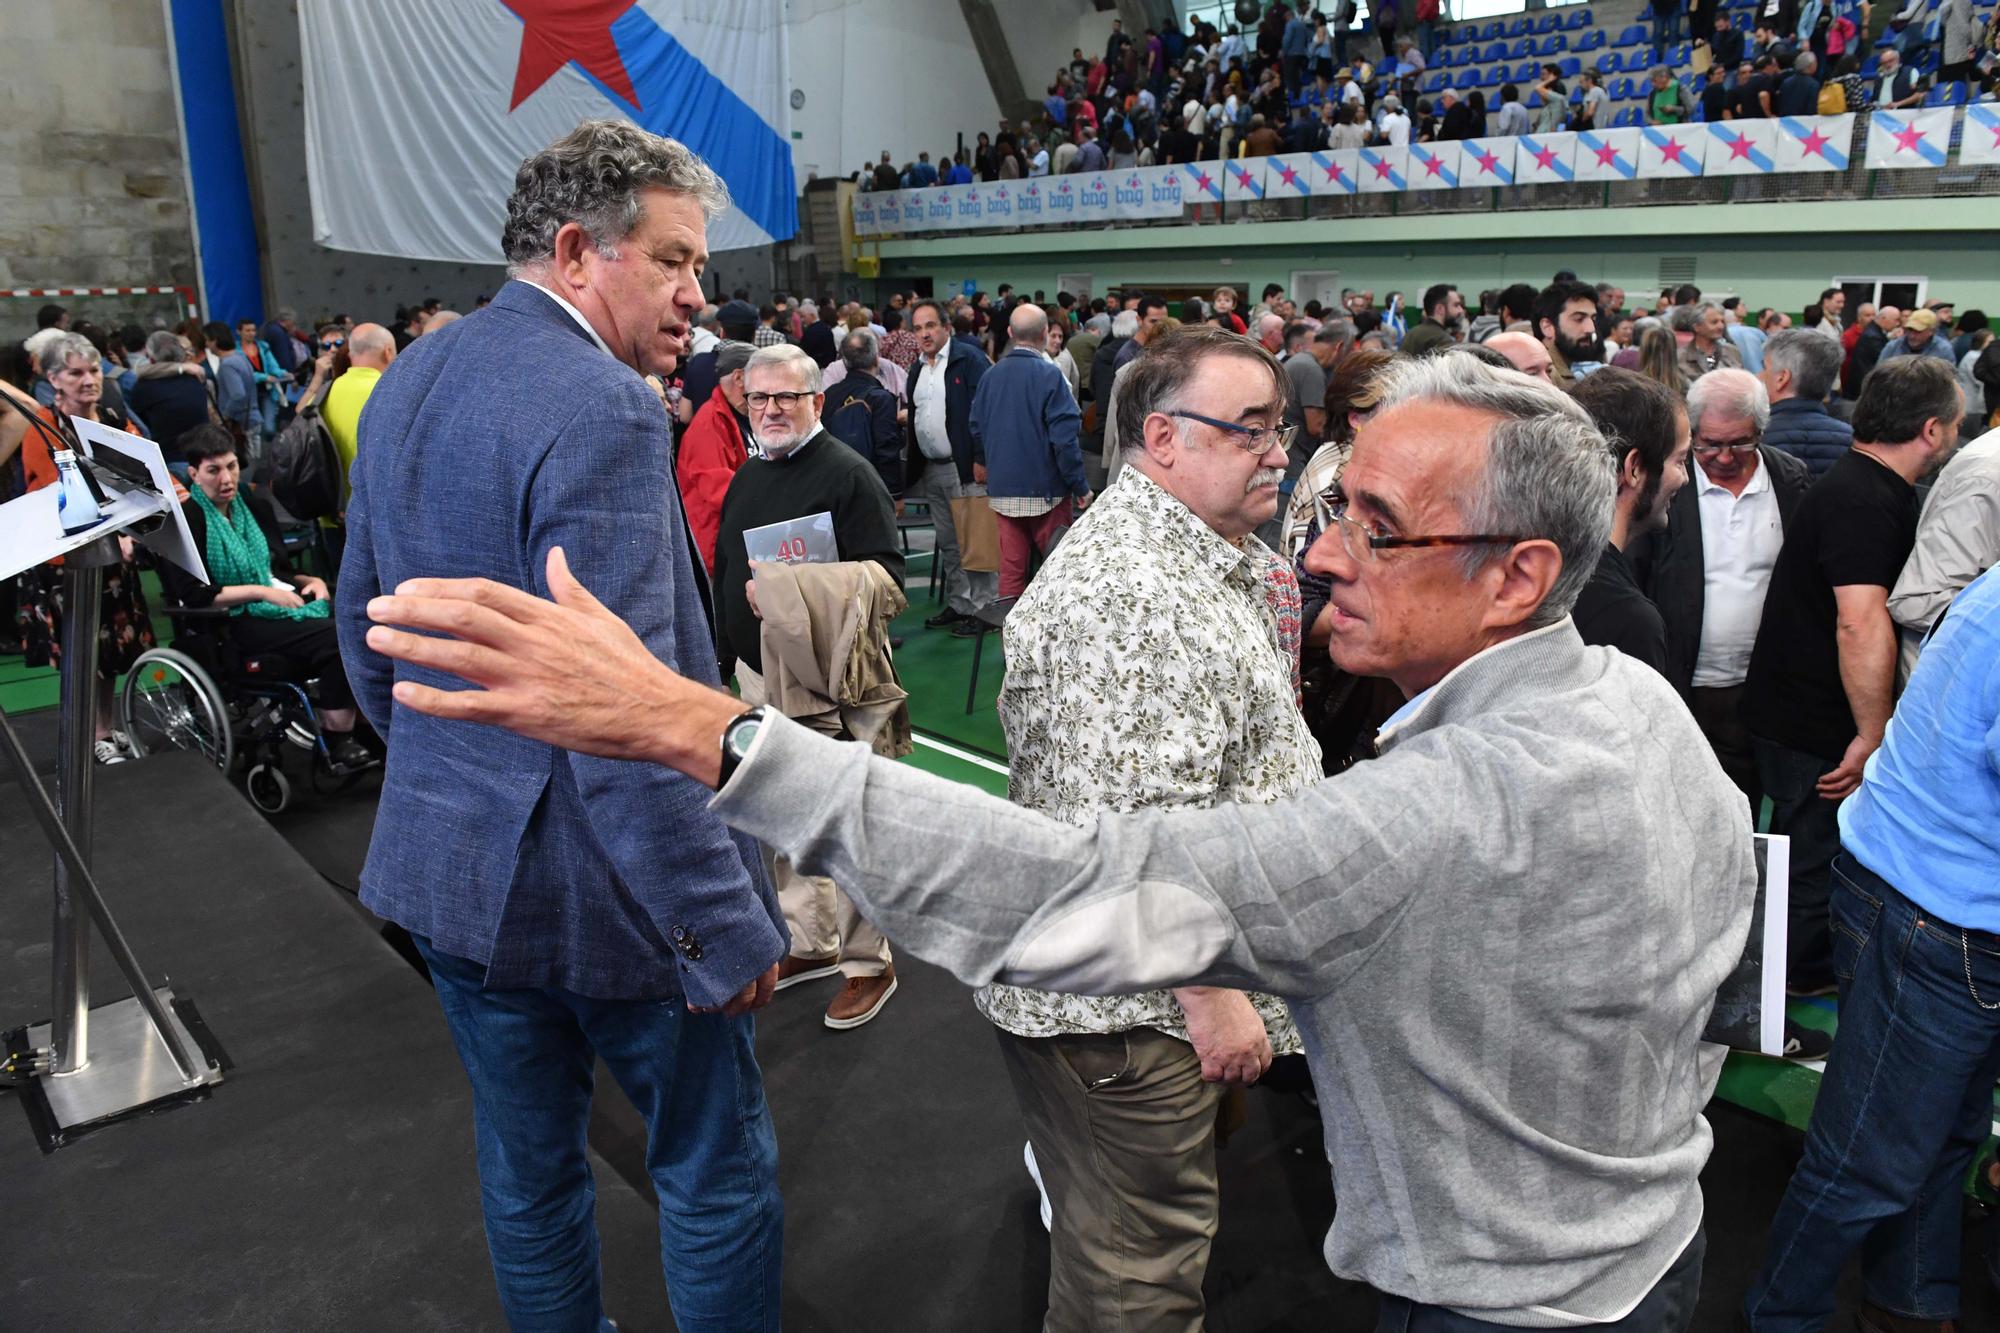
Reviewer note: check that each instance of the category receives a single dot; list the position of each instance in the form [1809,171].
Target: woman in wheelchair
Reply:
[237,534]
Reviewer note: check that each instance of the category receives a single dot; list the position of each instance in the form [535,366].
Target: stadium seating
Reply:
[1946,94]
[1635,35]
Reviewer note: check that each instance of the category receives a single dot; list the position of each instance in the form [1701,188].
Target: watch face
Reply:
[744,731]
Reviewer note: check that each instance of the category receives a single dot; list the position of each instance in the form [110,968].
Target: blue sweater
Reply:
[1807,432]
[1024,429]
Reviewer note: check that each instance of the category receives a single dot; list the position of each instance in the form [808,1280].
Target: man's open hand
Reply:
[566,672]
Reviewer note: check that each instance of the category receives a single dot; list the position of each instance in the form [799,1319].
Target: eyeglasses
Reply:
[1710,448]
[786,401]
[1361,542]
[1258,440]
[329,344]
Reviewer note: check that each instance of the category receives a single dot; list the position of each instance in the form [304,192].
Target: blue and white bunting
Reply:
[1741,148]
[1434,166]
[1384,170]
[1545,159]
[1671,152]
[1815,143]
[1899,140]
[1607,155]
[1486,162]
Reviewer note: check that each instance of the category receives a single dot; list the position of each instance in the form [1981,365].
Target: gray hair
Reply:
[1812,359]
[1806,63]
[56,354]
[1548,472]
[164,345]
[1335,331]
[857,351]
[594,176]
[1730,392]
[1125,324]
[1099,323]
[784,354]
[1683,318]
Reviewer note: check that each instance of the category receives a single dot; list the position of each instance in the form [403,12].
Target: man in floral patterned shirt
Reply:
[1153,663]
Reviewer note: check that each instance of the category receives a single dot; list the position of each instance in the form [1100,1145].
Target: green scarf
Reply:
[238,554]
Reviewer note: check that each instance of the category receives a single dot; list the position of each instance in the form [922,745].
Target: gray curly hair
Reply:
[593,176]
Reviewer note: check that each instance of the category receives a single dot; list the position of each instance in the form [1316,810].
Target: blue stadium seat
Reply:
[1635,35]
[1518,28]
[1527,71]
[1611,62]
[1621,89]
[1437,82]
[1494,51]
[1467,80]
[1627,118]
[1534,102]
[1680,56]
[1521,48]
[1570,66]
[1591,41]
[1577,19]
[1946,94]
[1492,30]
[1550,21]
[1576,97]
[1869,67]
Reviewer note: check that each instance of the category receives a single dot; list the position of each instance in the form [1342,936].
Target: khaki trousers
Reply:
[1124,1135]
[824,922]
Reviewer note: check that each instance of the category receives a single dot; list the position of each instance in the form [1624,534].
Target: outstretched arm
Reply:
[1287,897]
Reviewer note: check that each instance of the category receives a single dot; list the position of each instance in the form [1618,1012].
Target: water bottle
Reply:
[75,505]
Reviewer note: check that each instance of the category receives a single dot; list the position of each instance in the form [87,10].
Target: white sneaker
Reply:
[1035,1174]
[124,742]
[107,752]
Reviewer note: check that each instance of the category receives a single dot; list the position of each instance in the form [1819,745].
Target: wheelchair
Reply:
[238,710]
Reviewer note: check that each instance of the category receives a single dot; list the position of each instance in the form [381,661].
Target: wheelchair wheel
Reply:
[267,787]
[170,703]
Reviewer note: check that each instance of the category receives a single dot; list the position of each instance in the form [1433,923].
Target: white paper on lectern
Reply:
[31,525]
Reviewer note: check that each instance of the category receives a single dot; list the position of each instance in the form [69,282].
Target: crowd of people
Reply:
[1303,80]
[1357,595]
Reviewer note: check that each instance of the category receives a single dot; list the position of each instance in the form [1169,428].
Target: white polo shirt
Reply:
[1740,539]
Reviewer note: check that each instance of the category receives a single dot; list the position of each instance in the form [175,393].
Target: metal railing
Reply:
[1857,182]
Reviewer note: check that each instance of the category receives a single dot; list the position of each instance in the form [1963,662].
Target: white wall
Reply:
[876,74]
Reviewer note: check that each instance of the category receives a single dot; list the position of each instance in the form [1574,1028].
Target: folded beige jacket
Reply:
[825,643]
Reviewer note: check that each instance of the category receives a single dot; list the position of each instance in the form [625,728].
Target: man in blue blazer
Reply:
[572,908]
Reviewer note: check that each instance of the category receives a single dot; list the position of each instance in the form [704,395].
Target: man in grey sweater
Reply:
[1501,938]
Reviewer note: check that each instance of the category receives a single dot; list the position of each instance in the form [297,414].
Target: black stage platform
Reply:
[329,1182]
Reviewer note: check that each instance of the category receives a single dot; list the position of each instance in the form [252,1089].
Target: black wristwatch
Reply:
[736,739]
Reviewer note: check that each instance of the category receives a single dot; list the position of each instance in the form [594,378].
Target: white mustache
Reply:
[1265,476]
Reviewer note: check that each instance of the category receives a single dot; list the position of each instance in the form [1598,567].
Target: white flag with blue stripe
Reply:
[1244,182]
[1607,155]
[1545,159]
[1981,140]
[1434,166]
[1815,143]
[417,115]
[1671,152]
[1486,162]
[1741,148]
[1898,140]
[1384,170]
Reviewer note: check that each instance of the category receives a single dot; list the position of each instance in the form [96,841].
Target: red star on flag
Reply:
[1335,173]
[1814,142]
[1381,169]
[1288,176]
[1908,138]
[555,32]
[1488,161]
[1202,182]
[1546,159]
[1606,155]
[1432,166]
[1739,147]
[1671,150]
[1996,135]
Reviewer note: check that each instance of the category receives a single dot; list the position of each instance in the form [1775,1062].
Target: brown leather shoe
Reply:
[792,971]
[860,1000]
[1874,1319]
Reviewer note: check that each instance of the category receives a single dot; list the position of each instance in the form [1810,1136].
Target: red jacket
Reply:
[711,450]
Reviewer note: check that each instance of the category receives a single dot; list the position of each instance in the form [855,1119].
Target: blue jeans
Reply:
[531,1056]
[1667,1308]
[1666,31]
[1906,1100]
[1798,811]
